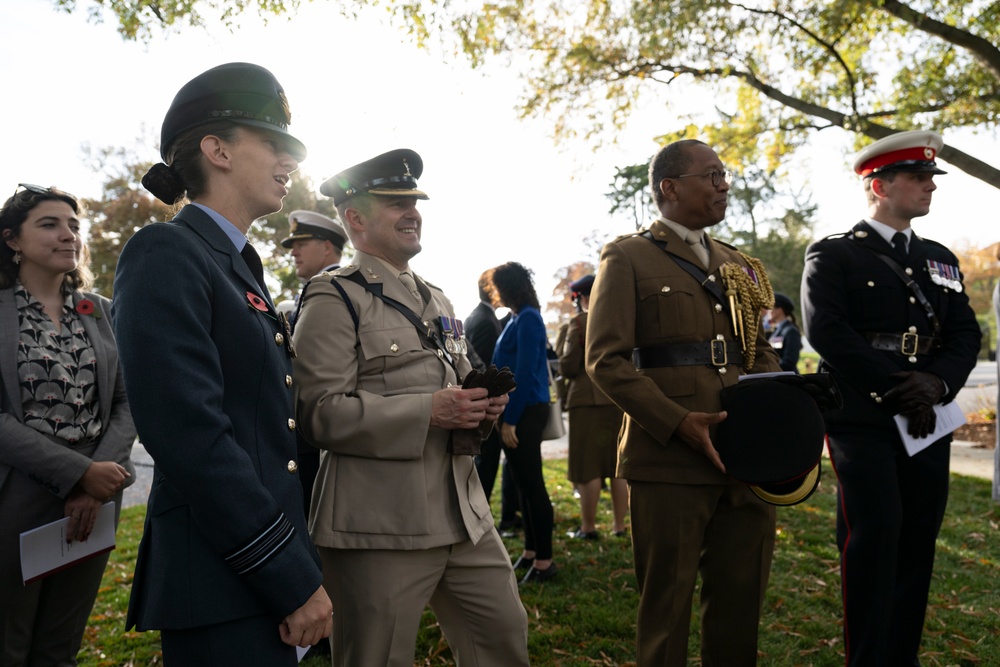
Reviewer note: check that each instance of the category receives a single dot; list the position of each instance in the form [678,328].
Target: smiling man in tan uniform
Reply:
[400,521]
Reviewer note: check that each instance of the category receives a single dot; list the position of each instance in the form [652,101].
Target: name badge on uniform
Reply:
[945,275]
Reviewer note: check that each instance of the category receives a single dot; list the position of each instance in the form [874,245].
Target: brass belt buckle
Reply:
[909,345]
[719,355]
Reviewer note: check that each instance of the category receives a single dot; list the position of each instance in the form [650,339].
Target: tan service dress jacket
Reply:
[641,298]
[363,396]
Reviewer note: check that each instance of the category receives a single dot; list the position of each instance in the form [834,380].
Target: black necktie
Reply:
[252,259]
[899,245]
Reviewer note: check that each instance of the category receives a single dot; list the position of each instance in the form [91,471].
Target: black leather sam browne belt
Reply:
[716,353]
[907,344]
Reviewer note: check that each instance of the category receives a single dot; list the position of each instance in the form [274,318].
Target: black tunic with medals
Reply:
[848,292]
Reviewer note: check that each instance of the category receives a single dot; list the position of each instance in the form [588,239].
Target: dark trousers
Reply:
[526,467]
[487,463]
[888,516]
[245,641]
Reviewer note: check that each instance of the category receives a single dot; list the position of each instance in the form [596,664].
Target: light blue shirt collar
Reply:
[238,238]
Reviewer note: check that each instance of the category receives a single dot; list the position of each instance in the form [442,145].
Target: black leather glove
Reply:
[921,422]
[915,390]
[495,381]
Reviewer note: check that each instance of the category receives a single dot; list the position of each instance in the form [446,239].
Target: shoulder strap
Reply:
[426,332]
[911,284]
[711,286]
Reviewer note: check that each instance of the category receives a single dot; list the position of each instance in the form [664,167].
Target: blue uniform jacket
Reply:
[208,378]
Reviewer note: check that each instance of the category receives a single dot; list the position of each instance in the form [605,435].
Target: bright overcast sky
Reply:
[500,188]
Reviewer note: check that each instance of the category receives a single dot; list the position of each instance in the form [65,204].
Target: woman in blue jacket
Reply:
[523,347]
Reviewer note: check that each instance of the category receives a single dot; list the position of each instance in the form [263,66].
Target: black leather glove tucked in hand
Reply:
[921,422]
[915,390]
[496,381]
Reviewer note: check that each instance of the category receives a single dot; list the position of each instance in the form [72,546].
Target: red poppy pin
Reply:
[256,302]
[87,307]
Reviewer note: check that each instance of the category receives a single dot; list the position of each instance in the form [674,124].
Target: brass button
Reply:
[288,380]
[291,424]
[912,329]
[909,271]
[394,348]
[871,284]
[861,233]
[292,466]
[440,354]
[722,371]
[665,288]
[912,359]
[279,339]
[712,278]
[718,307]
[913,299]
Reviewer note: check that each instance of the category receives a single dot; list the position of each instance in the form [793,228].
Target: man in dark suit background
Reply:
[482,328]
[888,314]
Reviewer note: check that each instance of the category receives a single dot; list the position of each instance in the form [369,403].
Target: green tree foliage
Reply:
[868,66]
[123,208]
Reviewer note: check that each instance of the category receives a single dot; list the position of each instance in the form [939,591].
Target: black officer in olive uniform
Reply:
[893,350]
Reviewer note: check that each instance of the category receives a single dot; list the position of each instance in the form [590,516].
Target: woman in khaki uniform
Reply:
[594,422]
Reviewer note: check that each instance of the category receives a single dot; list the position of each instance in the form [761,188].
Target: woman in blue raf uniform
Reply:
[785,338]
[226,569]
[65,429]
[888,314]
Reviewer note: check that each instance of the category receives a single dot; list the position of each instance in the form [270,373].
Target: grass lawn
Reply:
[587,615]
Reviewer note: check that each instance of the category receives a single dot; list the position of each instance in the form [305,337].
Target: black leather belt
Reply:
[907,343]
[710,353]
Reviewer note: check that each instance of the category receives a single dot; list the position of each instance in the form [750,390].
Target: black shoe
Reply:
[540,576]
[580,535]
[523,563]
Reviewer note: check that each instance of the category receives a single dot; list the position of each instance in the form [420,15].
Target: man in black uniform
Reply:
[888,314]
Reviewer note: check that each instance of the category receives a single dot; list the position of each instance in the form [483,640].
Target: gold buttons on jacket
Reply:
[394,348]
[288,380]
[279,339]
[718,307]
[861,233]
[909,271]
[871,283]
[665,288]
[878,399]
[292,466]
[291,424]
[913,299]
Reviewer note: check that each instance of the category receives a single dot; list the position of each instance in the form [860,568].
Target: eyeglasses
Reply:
[39,190]
[717,177]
